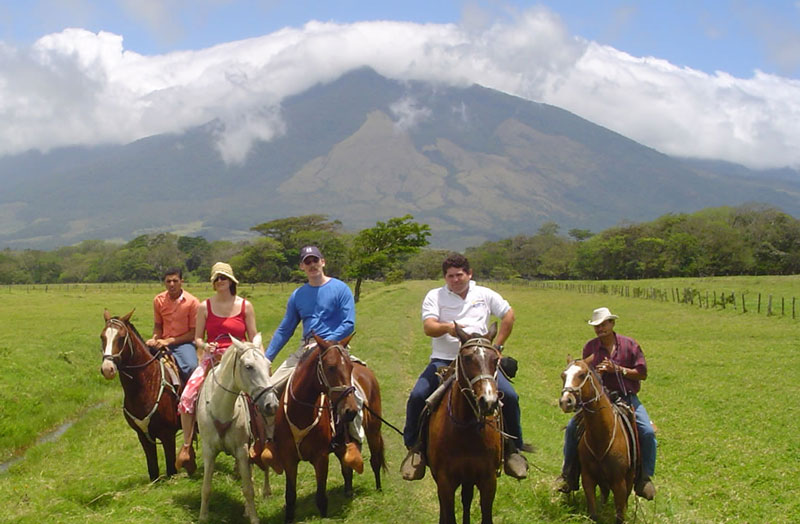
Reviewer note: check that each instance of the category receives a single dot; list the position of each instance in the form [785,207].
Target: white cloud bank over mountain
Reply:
[82,88]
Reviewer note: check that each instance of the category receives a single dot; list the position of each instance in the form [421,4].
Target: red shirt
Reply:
[629,355]
[175,316]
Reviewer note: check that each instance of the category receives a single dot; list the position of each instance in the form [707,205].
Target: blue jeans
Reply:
[427,384]
[647,439]
[186,358]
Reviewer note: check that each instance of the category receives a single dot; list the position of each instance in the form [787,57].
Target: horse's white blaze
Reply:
[569,378]
[111,334]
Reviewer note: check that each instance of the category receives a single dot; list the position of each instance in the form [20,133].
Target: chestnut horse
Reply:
[151,401]
[607,455]
[318,398]
[464,430]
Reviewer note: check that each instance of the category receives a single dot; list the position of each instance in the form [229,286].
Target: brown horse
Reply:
[605,450]
[151,400]
[464,439]
[318,395]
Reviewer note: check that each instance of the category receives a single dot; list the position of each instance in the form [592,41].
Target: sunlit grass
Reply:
[721,391]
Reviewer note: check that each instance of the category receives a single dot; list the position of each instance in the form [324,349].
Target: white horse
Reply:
[223,418]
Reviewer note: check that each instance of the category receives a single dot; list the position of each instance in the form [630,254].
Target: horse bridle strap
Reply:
[576,390]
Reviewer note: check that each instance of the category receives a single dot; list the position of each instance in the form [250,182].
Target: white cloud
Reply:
[79,87]
[408,113]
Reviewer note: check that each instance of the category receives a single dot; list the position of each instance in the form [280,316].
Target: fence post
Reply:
[792,308]
[769,306]
[758,310]
[744,308]
[782,307]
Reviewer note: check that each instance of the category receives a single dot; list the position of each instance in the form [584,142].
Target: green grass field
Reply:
[722,392]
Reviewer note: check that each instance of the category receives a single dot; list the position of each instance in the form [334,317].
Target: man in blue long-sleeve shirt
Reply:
[326,307]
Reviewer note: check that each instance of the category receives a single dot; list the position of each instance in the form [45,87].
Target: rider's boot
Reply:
[352,458]
[644,488]
[413,466]
[514,465]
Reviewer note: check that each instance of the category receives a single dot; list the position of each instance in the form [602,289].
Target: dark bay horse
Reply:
[464,431]
[317,396]
[605,449]
[151,399]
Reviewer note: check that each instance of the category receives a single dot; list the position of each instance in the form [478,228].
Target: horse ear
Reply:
[236,342]
[492,331]
[589,359]
[257,339]
[127,317]
[569,358]
[462,335]
[320,341]
[346,340]
[106,315]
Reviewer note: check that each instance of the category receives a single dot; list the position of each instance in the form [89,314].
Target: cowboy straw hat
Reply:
[221,268]
[600,315]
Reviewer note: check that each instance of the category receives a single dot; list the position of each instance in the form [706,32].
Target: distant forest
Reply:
[744,240]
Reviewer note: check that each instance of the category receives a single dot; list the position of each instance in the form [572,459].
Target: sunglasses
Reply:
[220,277]
[310,260]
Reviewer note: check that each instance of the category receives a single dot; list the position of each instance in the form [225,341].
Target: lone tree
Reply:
[378,248]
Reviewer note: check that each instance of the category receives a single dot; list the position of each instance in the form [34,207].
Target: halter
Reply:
[127,343]
[323,379]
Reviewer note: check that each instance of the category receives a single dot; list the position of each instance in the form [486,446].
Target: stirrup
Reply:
[413,466]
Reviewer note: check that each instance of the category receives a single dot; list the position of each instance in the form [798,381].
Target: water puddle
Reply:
[50,436]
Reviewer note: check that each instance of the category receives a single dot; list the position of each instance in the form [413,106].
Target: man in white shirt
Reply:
[461,300]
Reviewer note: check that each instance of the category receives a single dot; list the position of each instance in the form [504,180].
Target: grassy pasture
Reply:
[722,392]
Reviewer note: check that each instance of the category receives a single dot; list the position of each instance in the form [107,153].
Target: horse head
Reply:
[251,375]
[579,385]
[334,371]
[115,340]
[476,367]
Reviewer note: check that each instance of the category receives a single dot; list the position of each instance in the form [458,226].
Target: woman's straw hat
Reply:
[221,268]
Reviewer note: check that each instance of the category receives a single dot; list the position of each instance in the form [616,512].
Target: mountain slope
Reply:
[474,163]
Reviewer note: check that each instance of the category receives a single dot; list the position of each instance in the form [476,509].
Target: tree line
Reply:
[712,242]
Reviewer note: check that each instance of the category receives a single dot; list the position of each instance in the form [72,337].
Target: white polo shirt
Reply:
[472,313]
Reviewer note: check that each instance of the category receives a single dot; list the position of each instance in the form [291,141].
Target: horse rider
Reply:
[326,307]
[622,366]
[174,318]
[471,306]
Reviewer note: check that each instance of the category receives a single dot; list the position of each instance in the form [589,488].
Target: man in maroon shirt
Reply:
[622,366]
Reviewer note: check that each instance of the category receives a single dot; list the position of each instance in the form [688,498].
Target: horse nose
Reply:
[567,403]
[349,415]
[487,405]
[268,403]
[108,369]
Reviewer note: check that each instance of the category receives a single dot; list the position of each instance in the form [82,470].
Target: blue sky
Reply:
[728,35]
[707,79]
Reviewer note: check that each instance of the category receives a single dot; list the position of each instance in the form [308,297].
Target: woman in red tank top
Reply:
[219,317]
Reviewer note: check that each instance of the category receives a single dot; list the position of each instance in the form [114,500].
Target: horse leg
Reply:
[291,490]
[467,493]
[621,493]
[208,471]
[487,489]
[150,454]
[266,490]
[377,458]
[447,499]
[589,486]
[168,443]
[347,475]
[245,473]
[321,473]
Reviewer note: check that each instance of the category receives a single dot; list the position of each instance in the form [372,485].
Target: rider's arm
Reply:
[285,330]
[200,328]
[433,328]
[506,325]
[347,309]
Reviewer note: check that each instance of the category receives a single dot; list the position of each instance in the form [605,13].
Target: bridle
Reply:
[576,390]
[239,354]
[467,391]
[127,343]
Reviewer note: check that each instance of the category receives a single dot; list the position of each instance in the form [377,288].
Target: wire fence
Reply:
[749,302]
